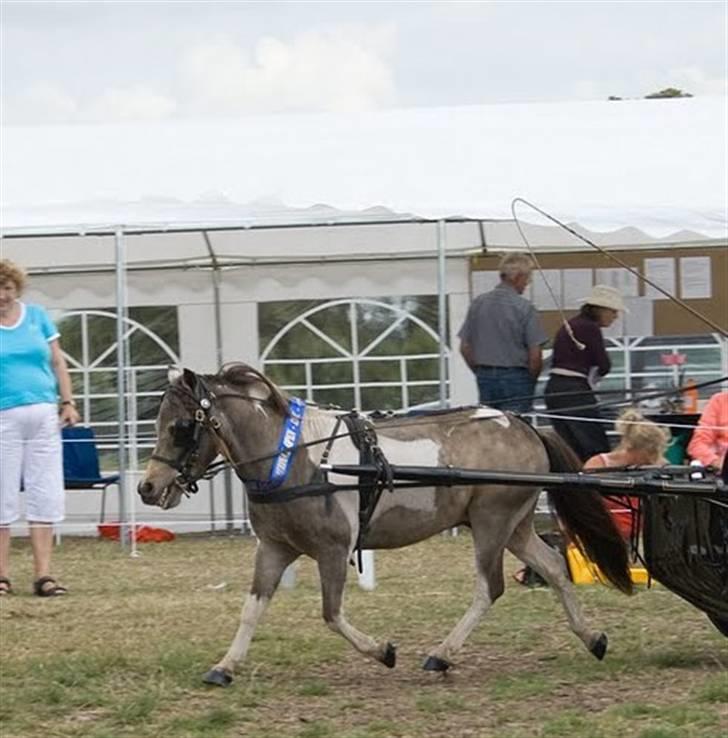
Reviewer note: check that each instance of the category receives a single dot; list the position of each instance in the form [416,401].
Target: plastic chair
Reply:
[81,463]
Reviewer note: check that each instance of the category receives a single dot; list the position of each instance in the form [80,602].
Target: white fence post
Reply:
[288,579]
[367,577]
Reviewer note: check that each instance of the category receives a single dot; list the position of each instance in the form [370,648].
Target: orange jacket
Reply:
[710,439]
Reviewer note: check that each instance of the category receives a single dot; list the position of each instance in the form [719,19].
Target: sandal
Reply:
[41,588]
[5,587]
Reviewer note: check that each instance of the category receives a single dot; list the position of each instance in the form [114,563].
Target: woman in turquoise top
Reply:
[35,401]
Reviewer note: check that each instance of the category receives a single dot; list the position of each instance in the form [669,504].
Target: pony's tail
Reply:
[585,517]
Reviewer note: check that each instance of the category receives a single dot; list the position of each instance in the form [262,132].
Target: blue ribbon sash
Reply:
[286,445]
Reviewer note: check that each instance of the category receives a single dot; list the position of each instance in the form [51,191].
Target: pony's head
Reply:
[191,424]
[185,445]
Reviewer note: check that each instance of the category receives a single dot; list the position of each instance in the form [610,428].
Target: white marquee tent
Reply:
[656,165]
[311,206]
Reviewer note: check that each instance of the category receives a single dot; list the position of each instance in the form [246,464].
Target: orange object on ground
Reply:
[141,534]
[690,397]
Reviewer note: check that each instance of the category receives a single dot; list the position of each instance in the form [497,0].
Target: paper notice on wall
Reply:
[483,281]
[662,272]
[542,296]
[576,284]
[621,279]
[695,278]
[639,320]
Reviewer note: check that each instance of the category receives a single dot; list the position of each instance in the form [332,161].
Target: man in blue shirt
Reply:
[502,337]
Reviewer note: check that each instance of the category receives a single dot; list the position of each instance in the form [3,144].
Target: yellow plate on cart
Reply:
[584,571]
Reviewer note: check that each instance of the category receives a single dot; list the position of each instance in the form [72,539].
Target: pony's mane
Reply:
[244,375]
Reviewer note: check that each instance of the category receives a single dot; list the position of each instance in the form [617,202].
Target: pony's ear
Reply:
[258,390]
[248,379]
[189,378]
[173,374]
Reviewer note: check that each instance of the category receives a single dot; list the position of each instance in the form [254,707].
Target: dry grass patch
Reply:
[124,653]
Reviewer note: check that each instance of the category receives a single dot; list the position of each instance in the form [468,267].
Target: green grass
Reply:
[123,655]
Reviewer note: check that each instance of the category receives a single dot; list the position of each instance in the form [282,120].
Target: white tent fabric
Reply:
[655,165]
[645,171]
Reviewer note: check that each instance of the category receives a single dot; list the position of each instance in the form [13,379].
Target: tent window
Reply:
[369,354]
[88,339]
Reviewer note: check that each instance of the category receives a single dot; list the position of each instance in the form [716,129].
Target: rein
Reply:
[375,475]
[187,439]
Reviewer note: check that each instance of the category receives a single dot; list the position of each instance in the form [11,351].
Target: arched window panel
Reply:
[368,354]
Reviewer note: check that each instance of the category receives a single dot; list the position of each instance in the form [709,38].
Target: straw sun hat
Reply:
[604,296]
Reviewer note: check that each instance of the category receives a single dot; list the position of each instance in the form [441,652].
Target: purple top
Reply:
[567,355]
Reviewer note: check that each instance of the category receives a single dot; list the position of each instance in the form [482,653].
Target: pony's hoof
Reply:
[720,623]
[599,647]
[218,677]
[389,658]
[434,663]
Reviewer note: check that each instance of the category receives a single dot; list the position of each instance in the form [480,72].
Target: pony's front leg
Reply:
[332,567]
[271,561]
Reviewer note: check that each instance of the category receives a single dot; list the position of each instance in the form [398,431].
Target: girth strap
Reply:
[364,437]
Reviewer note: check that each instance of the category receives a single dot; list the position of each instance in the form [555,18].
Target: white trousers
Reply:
[31,454]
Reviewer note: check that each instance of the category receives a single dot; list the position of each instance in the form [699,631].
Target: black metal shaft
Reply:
[452,476]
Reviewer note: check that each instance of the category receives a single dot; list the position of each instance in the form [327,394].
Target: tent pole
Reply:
[121,361]
[216,279]
[441,309]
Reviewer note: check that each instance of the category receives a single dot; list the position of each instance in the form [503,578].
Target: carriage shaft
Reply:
[452,476]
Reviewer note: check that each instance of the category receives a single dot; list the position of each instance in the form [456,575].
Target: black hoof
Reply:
[599,647]
[720,623]
[389,659]
[434,663]
[218,677]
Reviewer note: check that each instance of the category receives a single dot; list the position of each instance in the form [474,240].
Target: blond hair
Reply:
[514,264]
[640,434]
[11,272]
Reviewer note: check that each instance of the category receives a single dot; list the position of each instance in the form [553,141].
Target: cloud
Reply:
[340,69]
[41,103]
[47,103]
[133,103]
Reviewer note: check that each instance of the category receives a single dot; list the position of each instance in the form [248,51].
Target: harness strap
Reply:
[364,437]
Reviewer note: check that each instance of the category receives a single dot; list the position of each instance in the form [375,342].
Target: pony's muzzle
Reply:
[146,492]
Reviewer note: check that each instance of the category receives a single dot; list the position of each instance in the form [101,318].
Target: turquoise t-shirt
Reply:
[26,374]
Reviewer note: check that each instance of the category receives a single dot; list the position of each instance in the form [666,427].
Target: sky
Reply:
[81,62]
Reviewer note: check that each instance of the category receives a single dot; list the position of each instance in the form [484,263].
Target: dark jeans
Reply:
[505,387]
[587,439]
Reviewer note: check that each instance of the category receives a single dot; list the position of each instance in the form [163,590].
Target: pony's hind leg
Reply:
[270,563]
[332,567]
[550,564]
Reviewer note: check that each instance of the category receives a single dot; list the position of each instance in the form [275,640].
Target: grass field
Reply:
[124,653]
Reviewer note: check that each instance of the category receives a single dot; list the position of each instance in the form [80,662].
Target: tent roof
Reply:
[654,165]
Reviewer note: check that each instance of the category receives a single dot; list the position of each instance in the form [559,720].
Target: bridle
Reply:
[186,432]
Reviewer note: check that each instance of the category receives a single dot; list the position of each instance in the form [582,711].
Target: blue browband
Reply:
[288,441]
